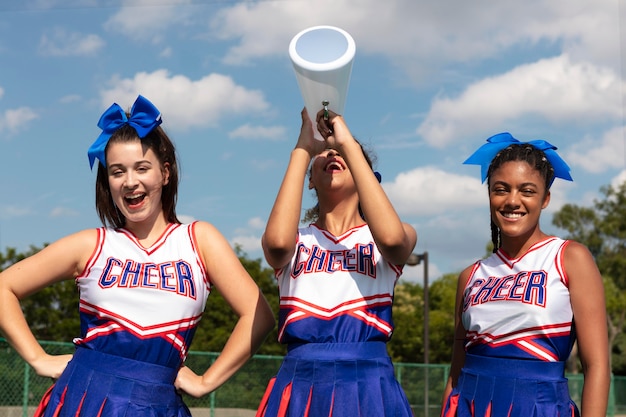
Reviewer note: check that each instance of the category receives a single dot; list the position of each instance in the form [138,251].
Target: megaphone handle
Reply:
[325,103]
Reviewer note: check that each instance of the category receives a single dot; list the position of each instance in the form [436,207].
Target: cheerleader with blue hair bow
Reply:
[143,280]
[520,310]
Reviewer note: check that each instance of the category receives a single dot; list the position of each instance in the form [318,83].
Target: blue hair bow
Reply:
[144,117]
[485,154]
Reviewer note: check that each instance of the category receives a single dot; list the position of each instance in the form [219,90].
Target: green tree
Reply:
[406,344]
[616,312]
[442,295]
[602,228]
[52,313]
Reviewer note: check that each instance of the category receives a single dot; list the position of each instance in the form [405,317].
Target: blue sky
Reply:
[430,82]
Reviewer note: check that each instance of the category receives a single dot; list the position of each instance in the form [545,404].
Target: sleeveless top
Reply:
[143,303]
[336,289]
[520,308]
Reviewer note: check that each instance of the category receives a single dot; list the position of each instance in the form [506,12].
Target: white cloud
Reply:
[70,98]
[256,223]
[427,191]
[8,212]
[63,212]
[13,120]
[250,244]
[249,132]
[249,238]
[60,42]
[421,36]
[255,25]
[619,179]
[599,154]
[555,89]
[166,53]
[186,103]
[144,20]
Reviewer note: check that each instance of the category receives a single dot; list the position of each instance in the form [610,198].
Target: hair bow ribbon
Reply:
[144,117]
[485,154]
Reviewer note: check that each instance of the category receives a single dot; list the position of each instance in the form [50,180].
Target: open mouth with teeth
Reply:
[134,199]
[333,166]
[510,215]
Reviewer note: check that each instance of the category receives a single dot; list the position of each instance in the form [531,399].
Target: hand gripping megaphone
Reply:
[322,59]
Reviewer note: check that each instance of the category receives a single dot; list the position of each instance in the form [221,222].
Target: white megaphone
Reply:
[322,59]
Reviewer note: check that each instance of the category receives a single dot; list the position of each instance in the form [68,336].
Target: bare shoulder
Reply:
[575,248]
[63,259]
[76,248]
[87,237]
[465,274]
[579,263]
[576,254]
[212,244]
[206,233]
[76,243]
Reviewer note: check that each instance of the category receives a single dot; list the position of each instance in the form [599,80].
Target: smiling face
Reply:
[517,194]
[136,180]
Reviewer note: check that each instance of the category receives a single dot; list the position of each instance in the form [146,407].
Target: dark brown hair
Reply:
[312,214]
[164,149]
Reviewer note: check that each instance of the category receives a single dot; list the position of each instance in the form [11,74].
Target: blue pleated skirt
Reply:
[335,379]
[96,384]
[510,388]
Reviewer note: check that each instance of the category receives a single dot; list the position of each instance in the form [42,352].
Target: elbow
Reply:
[277,252]
[396,247]
[395,252]
[277,242]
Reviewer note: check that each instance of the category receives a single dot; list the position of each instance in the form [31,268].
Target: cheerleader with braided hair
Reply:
[519,311]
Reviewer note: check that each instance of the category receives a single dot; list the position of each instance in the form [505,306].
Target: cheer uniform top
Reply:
[519,333]
[336,299]
[139,309]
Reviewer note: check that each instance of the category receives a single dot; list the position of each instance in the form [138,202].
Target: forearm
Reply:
[595,392]
[243,342]
[16,330]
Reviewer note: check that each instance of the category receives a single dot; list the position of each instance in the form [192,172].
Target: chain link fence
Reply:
[21,389]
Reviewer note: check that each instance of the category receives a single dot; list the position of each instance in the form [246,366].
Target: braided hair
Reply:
[519,152]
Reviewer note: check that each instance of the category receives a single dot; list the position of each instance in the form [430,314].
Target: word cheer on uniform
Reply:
[139,314]
[153,294]
[335,316]
[339,290]
[518,320]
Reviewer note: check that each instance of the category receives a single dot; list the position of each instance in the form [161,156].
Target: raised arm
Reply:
[395,239]
[64,259]
[279,239]
[588,305]
[255,321]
